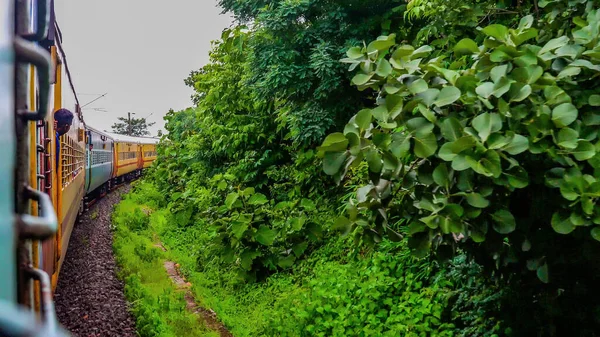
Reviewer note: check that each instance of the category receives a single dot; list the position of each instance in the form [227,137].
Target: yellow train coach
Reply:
[132,155]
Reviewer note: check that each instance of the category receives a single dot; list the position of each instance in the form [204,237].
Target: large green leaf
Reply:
[247,257]
[554,44]
[425,145]
[297,223]
[258,199]
[595,232]
[450,75]
[497,31]
[451,129]
[355,53]
[441,176]
[477,200]
[286,261]
[363,119]
[486,124]
[517,145]
[466,46]
[300,248]
[485,89]
[421,52]
[519,92]
[333,162]
[381,113]
[382,43]
[504,222]
[374,160]
[231,199]
[562,225]
[400,145]
[265,235]
[594,100]
[448,95]
[361,79]
[498,72]
[584,151]
[525,22]
[564,114]
[527,75]
[428,96]
[502,87]
[417,86]
[335,142]
[403,51]
[567,138]
[450,150]
[517,177]
[384,69]
[488,165]
[240,225]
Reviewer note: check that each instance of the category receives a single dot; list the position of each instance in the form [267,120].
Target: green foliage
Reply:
[479,139]
[452,145]
[137,127]
[387,293]
[489,145]
[330,293]
[256,234]
[137,220]
[294,53]
[159,309]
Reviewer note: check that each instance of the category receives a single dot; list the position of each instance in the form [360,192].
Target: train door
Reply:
[140,154]
[26,212]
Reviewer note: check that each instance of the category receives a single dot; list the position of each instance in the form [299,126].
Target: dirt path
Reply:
[209,317]
[89,296]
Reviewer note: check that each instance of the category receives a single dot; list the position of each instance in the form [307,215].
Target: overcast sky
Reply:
[137,51]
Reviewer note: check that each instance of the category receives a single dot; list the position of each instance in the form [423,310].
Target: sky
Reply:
[138,52]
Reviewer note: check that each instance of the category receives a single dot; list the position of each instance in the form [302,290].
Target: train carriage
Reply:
[99,164]
[127,157]
[42,190]
[148,151]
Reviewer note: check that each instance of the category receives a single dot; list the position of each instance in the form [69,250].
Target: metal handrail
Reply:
[20,322]
[34,227]
[42,23]
[29,52]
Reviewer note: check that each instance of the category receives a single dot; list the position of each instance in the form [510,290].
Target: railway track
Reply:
[89,296]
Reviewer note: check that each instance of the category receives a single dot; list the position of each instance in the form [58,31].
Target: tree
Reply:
[136,127]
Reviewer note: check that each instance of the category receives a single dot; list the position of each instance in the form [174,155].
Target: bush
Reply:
[472,152]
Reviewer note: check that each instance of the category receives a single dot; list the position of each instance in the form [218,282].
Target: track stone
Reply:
[89,297]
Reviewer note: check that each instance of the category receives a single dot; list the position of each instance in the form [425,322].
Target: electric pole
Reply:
[129,126]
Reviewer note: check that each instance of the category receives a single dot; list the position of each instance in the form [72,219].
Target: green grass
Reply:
[384,292]
[159,308]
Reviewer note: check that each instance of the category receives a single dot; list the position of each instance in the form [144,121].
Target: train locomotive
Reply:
[43,191]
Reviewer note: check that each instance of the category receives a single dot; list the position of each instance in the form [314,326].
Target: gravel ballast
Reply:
[89,297]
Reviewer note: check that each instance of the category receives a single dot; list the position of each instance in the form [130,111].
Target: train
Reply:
[42,191]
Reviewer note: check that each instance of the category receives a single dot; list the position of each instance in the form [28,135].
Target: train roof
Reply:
[98,131]
[128,139]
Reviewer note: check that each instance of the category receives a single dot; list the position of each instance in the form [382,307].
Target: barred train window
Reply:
[101,157]
[73,159]
[150,154]
[127,155]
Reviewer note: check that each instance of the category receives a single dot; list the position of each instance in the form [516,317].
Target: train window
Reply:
[150,154]
[73,159]
[127,155]
[101,157]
